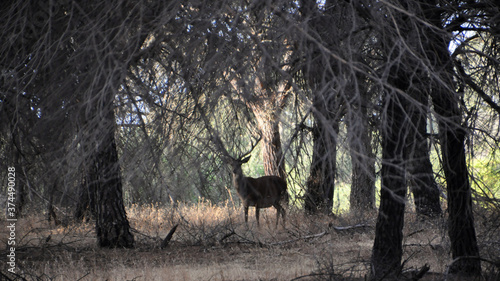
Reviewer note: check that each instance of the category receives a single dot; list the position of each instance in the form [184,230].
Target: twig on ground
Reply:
[307,237]
[227,235]
[350,226]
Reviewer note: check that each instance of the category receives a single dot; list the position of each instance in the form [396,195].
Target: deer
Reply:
[262,192]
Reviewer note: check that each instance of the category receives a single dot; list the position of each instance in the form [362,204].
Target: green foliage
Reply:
[486,177]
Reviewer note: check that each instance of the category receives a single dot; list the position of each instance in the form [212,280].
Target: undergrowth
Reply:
[212,242]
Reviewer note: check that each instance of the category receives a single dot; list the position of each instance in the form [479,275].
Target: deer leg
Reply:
[283,213]
[246,214]
[279,210]
[257,214]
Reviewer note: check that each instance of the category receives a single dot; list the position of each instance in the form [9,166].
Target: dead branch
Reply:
[167,239]
[307,237]
[350,226]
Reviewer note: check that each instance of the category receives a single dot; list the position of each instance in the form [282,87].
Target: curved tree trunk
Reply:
[387,248]
[461,230]
[446,100]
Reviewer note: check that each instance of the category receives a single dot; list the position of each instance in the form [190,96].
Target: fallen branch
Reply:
[420,274]
[227,236]
[167,239]
[350,226]
[307,237]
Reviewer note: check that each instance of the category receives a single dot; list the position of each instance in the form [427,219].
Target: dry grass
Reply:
[212,242]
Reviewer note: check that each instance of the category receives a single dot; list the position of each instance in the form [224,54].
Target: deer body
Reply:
[262,192]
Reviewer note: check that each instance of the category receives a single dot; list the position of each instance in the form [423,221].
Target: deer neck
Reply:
[239,181]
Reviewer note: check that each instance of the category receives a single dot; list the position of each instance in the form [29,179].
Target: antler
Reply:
[252,148]
[220,147]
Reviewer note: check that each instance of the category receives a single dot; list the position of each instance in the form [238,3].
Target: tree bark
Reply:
[461,228]
[321,181]
[387,249]
[421,176]
[272,155]
[86,204]
[112,227]
[319,74]
[362,196]
[118,49]
[446,100]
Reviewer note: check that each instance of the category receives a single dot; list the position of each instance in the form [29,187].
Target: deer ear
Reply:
[244,160]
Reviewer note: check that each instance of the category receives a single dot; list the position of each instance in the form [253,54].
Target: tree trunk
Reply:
[461,229]
[112,227]
[446,100]
[422,184]
[395,130]
[86,204]
[319,72]
[387,249]
[362,196]
[462,233]
[272,155]
[321,181]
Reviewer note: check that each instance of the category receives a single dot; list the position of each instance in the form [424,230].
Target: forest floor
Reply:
[213,243]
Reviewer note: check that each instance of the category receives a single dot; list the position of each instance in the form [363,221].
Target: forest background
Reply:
[364,107]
